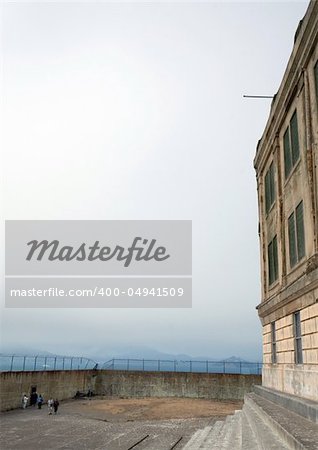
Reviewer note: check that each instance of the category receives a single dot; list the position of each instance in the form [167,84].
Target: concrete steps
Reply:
[301,406]
[291,429]
[260,425]
[213,435]
[197,439]
[235,436]
[222,437]
[227,433]
[249,440]
[265,437]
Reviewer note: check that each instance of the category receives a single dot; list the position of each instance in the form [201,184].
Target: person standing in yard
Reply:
[56,405]
[40,401]
[24,401]
[50,406]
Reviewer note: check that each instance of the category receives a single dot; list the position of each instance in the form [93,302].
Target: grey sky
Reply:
[135,111]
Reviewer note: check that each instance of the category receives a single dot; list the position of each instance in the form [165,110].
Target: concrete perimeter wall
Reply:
[175,384]
[61,384]
[64,384]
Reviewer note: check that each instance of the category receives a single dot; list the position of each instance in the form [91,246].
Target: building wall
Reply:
[296,287]
[302,379]
[65,384]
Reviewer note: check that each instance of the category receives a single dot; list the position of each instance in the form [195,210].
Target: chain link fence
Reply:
[17,363]
[159,365]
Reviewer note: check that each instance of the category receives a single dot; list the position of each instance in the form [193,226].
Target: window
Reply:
[269,188]
[273,333]
[296,235]
[272,261]
[291,145]
[297,334]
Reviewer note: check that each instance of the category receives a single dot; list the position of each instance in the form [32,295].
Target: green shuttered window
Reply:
[296,235]
[272,261]
[269,188]
[291,145]
[300,230]
[294,138]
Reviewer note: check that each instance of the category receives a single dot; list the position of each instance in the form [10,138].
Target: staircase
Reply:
[268,421]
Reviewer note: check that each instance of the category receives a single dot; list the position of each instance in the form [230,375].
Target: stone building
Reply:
[286,165]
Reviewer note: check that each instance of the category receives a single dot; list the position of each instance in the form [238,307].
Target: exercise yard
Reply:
[119,424]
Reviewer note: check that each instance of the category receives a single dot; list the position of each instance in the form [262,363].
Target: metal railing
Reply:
[159,365]
[23,363]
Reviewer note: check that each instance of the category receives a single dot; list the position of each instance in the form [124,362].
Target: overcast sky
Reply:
[136,111]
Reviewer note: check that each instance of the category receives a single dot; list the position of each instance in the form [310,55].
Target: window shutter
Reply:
[294,138]
[300,231]
[287,155]
[275,258]
[272,183]
[270,263]
[267,192]
[292,240]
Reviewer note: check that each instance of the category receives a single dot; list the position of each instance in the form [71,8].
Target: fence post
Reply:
[190,366]
[158,365]
[128,364]
[12,357]
[45,363]
[223,366]
[35,363]
[55,363]
[240,367]
[143,365]
[207,367]
[175,365]
[23,364]
[71,363]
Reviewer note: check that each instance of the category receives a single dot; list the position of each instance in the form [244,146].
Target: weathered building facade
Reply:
[286,165]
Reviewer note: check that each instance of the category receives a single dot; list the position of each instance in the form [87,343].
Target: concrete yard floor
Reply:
[112,424]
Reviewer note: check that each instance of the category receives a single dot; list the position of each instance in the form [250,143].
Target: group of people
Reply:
[35,399]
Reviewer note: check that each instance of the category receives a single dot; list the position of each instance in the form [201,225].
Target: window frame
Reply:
[296,235]
[273,343]
[270,188]
[272,260]
[298,349]
[291,145]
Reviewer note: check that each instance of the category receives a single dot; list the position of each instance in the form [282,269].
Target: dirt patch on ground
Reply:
[151,408]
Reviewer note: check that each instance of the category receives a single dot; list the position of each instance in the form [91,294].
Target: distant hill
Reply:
[143,352]
[131,352]
[24,351]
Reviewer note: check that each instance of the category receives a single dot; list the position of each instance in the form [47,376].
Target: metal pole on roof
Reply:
[258,96]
